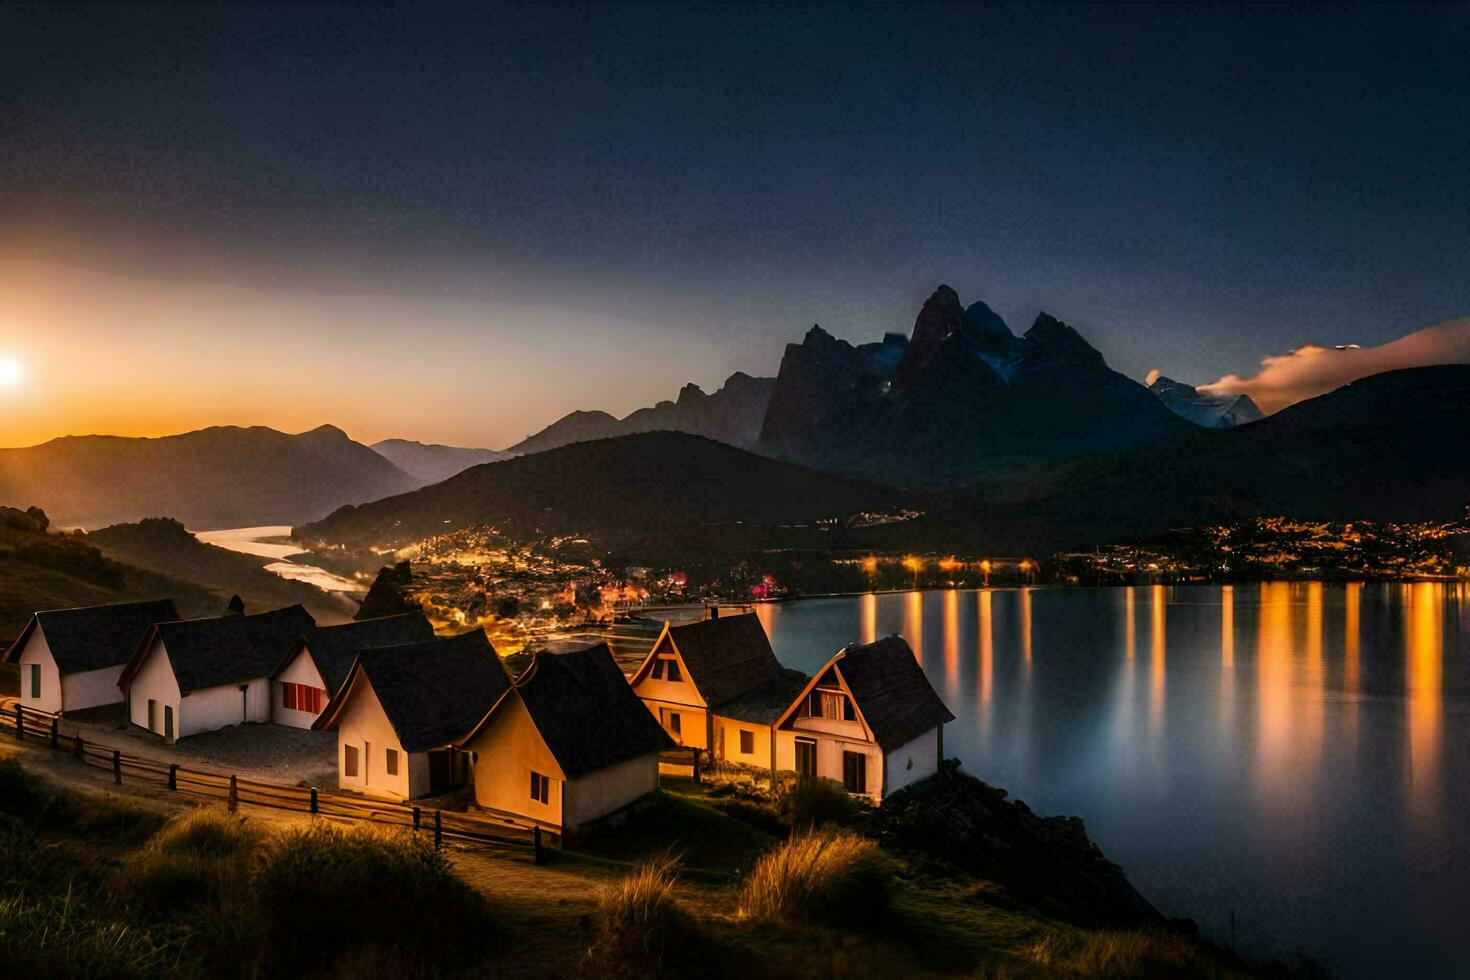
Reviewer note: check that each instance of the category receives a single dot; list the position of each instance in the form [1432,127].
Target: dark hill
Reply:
[665,491]
[220,477]
[1387,448]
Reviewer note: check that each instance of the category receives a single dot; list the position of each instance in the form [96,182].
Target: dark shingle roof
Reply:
[585,711]
[727,657]
[765,704]
[892,691]
[231,649]
[96,637]
[333,648]
[435,691]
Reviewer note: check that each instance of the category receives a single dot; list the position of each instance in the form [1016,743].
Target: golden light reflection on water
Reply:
[1352,598]
[1423,640]
[913,622]
[952,640]
[1025,600]
[868,617]
[1273,691]
[1312,687]
[1227,660]
[1157,658]
[1130,631]
[987,647]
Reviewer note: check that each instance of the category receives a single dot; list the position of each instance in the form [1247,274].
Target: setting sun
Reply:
[11,372]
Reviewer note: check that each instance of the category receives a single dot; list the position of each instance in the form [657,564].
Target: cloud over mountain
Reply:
[1311,370]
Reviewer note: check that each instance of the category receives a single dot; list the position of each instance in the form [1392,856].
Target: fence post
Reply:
[695,753]
[438,831]
[20,721]
[536,842]
[173,775]
[117,766]
[55,731]
[80,750]
[313,801]
[415,819]
[234,800]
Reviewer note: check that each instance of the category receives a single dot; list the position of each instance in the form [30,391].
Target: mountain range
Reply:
[220,477]
[732,415]
[1383,448]
[433,462]
[1212,411]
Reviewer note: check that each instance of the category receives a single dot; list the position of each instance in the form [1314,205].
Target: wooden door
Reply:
[806,758]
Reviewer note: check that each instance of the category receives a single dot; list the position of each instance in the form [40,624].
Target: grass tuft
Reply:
[817,803]
[825,876]
[638,921]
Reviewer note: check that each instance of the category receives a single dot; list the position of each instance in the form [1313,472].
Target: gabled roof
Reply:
[432,692]
[891,691]
[766,703]
[726,658]
[585,711]
[94,637]
[333,648]
[223,650]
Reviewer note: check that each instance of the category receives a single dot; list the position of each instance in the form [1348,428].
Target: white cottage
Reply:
[199,675]
[868,719]
[401,709]
[317,663]
[716,685]
[71,659]
[567,743]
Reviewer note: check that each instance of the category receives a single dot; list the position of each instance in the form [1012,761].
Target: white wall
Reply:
[301,670]
[727,741]
[154,680]
[829,756]
[599,793]
[36,651]
[91,688]
[364,725]
[911,762]
[212,708]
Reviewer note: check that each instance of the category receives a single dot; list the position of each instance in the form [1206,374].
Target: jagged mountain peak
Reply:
[980,319]
[940,316]
[1210,411]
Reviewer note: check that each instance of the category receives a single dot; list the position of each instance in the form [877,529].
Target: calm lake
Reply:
[1298,753]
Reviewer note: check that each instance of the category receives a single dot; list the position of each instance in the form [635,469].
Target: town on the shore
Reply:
[566,741]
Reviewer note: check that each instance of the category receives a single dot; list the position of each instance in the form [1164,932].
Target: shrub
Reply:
[815,802]
[639,923]
[323,892]
[760,817]
[205,832]
[199,862]
[1121,953]
[829,876]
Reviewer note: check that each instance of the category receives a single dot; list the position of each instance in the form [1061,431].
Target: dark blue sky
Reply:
[1193,187]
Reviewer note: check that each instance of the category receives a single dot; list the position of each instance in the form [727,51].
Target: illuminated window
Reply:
[540,787]
[349,761]
[832,705]
[747,742]
[392,762]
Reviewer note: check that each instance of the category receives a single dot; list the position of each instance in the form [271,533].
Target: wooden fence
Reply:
[472,830]
[684,759]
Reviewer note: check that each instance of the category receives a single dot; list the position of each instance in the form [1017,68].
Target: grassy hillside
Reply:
[164,546]
[100,885]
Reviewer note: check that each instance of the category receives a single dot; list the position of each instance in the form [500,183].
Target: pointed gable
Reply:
[584,710]
[334,648]
[432,692]
[225,650]
[892,692]
[726,658]
[95,637]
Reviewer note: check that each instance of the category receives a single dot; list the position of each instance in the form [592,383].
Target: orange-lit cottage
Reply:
[868,719]
[716,685]
[72,659]
[318,661]
[566,744]
[401,709]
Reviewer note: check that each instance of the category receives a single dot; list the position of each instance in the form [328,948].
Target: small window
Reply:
[152,715]
[855,772]
[35,680]
[673,671]
[670,720]
[303,697]
[834,705]
[747,742]
[349,761]
[391,762]
[540,788]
